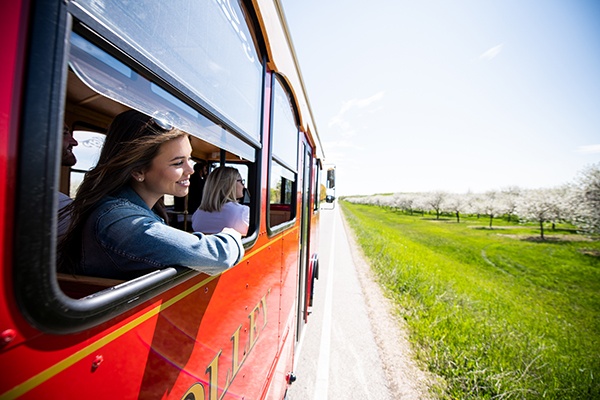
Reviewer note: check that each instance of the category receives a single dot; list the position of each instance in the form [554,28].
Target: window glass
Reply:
[284,158]
[281,196]
[285,129]
[108,76]
[87,152]
[204,44]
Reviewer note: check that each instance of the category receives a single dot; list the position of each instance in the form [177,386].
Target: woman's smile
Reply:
[169,172]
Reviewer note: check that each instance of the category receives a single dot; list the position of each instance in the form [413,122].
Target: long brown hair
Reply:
[220,188]
[132,142]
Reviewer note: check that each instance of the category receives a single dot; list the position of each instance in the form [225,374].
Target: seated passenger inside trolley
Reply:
[219,207]
[68,160]
[197,182]
[118,227]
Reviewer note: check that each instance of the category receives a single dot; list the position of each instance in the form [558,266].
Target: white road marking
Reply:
[322,383]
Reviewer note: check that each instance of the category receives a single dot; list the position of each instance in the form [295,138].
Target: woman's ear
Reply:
[138,176]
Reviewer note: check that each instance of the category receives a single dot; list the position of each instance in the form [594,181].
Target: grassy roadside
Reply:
[494,313]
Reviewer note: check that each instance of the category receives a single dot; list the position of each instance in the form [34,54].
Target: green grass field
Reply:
[497,314]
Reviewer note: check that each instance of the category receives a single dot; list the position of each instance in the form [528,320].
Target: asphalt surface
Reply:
[338,357]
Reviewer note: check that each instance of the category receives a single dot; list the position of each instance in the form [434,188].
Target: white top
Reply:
[232,215]
[63,219]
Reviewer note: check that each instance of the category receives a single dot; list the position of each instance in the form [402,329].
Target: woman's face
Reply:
[239,188]
[169,172]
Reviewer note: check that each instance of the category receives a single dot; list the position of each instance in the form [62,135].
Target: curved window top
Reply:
[108,76]
[182,41]
[285,130]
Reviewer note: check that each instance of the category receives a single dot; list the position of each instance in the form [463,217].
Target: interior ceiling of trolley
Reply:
[85,105]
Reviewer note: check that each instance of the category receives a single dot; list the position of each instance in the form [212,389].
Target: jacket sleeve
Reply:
[146,239]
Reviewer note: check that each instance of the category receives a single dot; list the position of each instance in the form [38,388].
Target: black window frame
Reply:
[274,229]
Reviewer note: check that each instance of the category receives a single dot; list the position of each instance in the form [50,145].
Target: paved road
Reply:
[338,355]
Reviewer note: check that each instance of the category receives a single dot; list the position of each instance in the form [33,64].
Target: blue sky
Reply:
[451,95]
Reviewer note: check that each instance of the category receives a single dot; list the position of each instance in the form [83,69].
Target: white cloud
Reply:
[340,144]
[339,119]
[589,149]
[491,53]
[361,103]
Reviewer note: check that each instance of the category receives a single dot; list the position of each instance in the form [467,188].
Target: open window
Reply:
[106,69]
[95,76]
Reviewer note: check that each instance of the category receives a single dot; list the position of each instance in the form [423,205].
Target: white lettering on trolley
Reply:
[197,391]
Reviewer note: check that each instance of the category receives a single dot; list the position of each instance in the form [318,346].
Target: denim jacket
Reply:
[123,238]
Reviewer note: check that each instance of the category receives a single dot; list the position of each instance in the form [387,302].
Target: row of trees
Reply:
[577,203]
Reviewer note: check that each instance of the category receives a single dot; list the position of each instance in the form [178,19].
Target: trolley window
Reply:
[114,60]
[206,45]
[108,76]
[285,129]
[284,157]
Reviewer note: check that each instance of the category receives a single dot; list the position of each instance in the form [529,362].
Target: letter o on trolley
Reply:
[196,392]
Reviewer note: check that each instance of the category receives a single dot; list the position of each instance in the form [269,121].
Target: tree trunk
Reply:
[491,218]
[457,217]
[542,229]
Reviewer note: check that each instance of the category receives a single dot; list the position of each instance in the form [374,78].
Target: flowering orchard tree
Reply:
[565,203]
[435,201]
[456,204]
[510,196]
[383,201]
[492,205]
[587,213]
[405,201]
[541,206]
[577,203]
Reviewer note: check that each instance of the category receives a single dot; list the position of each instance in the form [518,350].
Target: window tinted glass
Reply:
[181,40]
[285,130]
[108,76]
[281,196]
